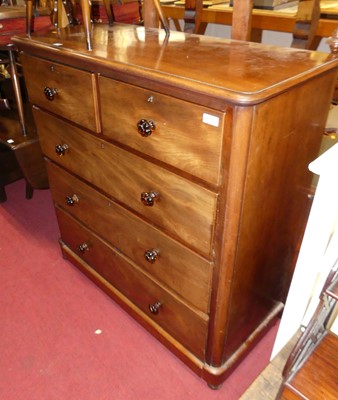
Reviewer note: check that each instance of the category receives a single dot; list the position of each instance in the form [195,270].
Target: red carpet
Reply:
[17,26]
[49,313]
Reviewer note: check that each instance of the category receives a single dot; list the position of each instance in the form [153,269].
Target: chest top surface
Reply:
[244,72]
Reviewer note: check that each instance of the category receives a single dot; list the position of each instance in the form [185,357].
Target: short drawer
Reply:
[63,90]
[181,207]
[167,261]
[181,322]
[186,135]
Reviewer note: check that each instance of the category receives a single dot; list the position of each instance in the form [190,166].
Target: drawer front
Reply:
[184,209]
[170,263]
[174,316]
[75,97]
[184,134]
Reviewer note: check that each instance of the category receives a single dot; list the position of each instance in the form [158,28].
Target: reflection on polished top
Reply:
[243,71]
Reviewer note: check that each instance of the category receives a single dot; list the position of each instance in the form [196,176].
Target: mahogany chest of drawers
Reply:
[178,168]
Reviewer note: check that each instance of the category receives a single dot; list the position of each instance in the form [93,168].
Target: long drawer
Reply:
[167,261]
[180,321]
[62,90]
[179,133]
[180,207]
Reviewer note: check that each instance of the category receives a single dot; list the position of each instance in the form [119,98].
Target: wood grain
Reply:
[75,97]
[318,376]
[182,206]
[179,320]
[181,270]
[193,146]
[233,199]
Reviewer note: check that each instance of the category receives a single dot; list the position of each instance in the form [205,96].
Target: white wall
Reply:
[269,37]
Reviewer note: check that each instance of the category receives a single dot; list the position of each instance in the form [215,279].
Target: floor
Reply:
[266,386]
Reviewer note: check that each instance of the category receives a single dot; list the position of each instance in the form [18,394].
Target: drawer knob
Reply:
[60,149]
[151,255]
[148,198]
[50,93]
[83,247]
[71,200]
[153,308]
[145,128]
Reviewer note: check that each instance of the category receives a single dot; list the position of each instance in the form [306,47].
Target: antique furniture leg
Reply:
[161,16]
[109,12]
[241,20]
[29,16]
[16,88]
[9,170]
[85,7]
[4,104]
[192,17]
[307,18]
[29,191]
[150,14]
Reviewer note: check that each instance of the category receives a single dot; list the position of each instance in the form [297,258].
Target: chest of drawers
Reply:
[178,169]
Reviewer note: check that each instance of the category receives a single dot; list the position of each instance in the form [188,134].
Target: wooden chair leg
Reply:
[29,191]
[307,19]
[3,196]
[17,90]
[85,7]
[4,104]
[109,12]
[29,17]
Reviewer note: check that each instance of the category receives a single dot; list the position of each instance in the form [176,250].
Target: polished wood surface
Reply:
[233,72]
[73,91]
[318,376]
[239,222]
[262,198]
[178,319]
[170,140]
[181,206]
[179,269]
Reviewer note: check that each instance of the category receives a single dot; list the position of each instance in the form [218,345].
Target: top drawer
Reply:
[186,135]
[72,92]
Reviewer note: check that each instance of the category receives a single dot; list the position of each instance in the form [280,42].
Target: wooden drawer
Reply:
[183,208]
[175,266]
[184,134]
[181,322]
[75,97]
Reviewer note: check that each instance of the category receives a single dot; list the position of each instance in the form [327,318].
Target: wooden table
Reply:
[281,20]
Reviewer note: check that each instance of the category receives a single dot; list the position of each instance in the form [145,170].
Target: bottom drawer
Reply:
[180,321]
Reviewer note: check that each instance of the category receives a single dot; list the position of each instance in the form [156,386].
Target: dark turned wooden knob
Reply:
[60,149]
[151,255]
[148,198]
[50,93]
[83,247]
[145,128]
[71,200]
[153,308]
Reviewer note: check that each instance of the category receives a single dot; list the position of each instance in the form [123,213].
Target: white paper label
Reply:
[210,120]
